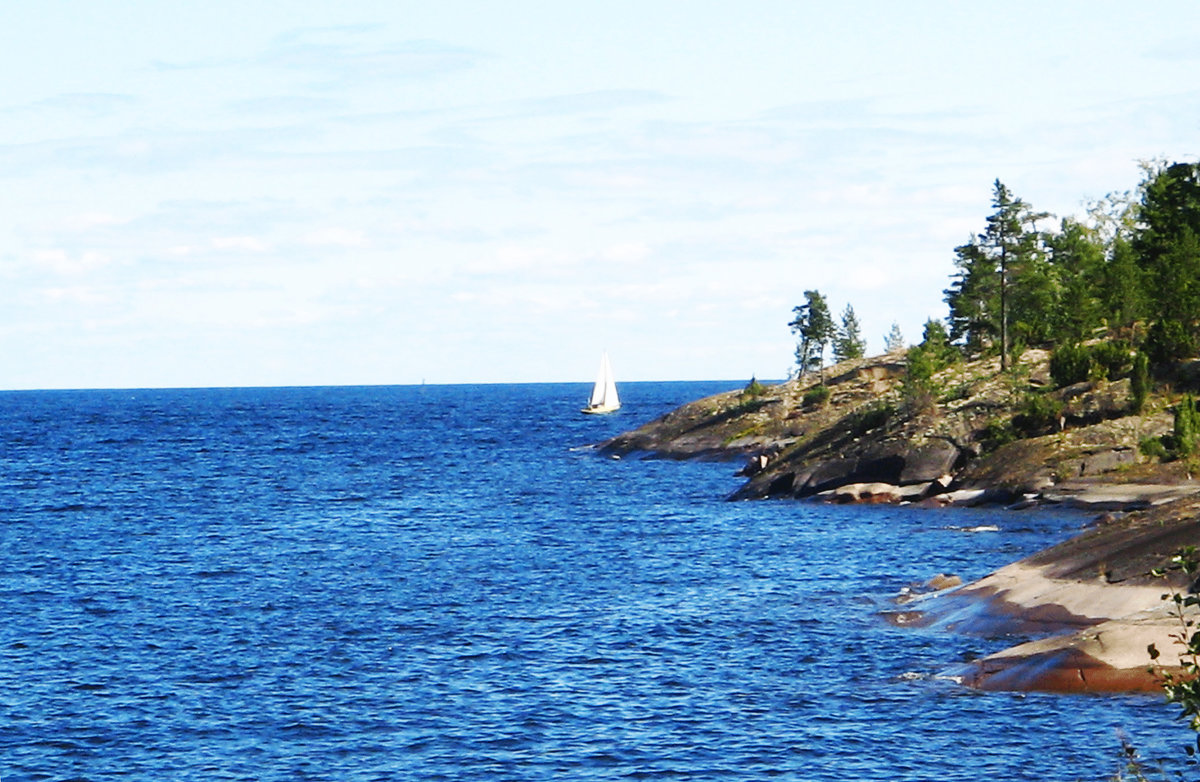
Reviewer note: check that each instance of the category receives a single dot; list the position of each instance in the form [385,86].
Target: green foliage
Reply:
[1070,364]
[1039,415]
[848,341]
[1153,448]
[1114,358]
[1003,279]
[1077,260]
[919,389]
[1184,438]
[1183,690]
[935,340]
[817,395]
[870,417]
[745,406]
[1167,250]
[1139,383]
[996,433]
[1187,427]
[923,361]
[893,340]
[754,388]
[1169,341]
[814,328]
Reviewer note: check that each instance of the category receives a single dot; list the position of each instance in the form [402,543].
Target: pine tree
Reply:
[814,327]
[1167,247]
[893,340]
[991,266]
[848,341]
[1077,257]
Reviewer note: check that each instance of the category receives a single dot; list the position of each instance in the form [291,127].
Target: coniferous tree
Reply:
[893,340]
[936,342]
[848,341]
[1119,285]
[1167,248]
[814,328]
[992,267]
[973,299]
[1122,288]
[1077,257]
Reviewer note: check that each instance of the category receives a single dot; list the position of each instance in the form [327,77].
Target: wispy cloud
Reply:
[337,57]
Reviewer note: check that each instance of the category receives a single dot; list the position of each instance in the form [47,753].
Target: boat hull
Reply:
[600,409]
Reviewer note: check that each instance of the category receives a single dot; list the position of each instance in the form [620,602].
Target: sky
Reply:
[300,193]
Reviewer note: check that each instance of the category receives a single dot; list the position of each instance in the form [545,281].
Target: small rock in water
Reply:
[943,581]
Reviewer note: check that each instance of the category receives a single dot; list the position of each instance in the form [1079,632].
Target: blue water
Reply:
[435,583]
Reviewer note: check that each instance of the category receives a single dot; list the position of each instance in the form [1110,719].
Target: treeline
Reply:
[1128,274]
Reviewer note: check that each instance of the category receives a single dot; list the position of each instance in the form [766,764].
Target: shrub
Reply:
[1153,448]
[871,417]
[1187,427]
[922,362]
[1070,364]
[1113,358]
[1139,383]
[754,388]
[1038,415]
[1169,341]
[997,433]
[817,395]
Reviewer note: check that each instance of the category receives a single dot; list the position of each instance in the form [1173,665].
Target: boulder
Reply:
[896,463]
[871,493]
[754,465]
[928,462]
[876,493]
[943,581]
[829,475]
[1107,461]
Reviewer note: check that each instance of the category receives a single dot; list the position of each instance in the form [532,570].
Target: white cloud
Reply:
[248,243]
[69,263]
[336,237]
[627,252]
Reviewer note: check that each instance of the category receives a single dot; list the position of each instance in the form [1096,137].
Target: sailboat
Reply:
[604,392]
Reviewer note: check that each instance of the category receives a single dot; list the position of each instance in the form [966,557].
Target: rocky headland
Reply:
[858,433]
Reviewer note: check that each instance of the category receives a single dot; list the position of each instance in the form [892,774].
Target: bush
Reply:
[871,417]
[1070,364]
[817,395]
[1139,383]
[754,388]
[996,434]
[922,362]
[1187,427]
[1153,448]
[1113,357]
[1039,414]
[1169,341]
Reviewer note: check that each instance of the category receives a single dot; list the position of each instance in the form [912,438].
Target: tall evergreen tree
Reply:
[814,328]
[1121,286]
[848,341]
[972,298]
[893,340]
[1167,247]
[1077,257]
[990,266]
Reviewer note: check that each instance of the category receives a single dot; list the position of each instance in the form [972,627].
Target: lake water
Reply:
[437,583]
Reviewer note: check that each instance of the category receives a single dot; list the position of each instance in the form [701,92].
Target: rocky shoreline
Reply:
[1091,605]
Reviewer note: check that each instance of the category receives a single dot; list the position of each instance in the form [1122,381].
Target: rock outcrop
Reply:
[1092,602]
[979,443]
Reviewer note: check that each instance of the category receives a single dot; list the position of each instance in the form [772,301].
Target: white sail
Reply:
[604,393]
